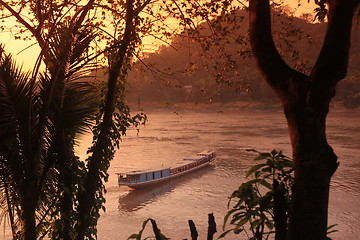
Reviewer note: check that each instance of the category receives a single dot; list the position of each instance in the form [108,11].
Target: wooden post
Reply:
[194,233]
[212,226]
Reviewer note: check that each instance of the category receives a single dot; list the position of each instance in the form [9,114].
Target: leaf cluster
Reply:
[156,230]
[43,112]
[254,200]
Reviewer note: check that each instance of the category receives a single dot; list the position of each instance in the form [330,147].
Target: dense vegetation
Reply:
[47,191]
[187,71]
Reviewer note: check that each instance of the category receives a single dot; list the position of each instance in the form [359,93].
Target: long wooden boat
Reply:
[140,179]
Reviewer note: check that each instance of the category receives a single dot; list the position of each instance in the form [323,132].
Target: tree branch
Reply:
[34,31]
[140,8]
[276,71]
[333,59]
[101,148]
[40,15]
[84,11]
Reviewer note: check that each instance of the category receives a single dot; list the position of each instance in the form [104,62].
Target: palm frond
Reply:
[16,95]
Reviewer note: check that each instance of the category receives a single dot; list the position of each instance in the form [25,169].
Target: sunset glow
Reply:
[26,52]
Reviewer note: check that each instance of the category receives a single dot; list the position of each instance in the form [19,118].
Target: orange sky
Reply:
[26,53]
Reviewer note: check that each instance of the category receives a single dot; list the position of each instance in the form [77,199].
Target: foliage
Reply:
[60,173]
[44,112]
[193,231]
[254,200]
[51,192]
[47,190]
[156,230]
[349,91]
[33,137]
[188,71]
[257,201]
[321,11]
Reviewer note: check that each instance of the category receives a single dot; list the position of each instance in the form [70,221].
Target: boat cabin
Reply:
[138,179]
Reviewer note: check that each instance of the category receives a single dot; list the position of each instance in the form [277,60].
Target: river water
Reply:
[169,137]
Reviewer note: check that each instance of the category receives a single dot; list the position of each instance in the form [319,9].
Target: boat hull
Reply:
[174,172]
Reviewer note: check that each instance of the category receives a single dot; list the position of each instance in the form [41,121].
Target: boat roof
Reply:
[133,172]
[206,152]
[190,159]
[182,162]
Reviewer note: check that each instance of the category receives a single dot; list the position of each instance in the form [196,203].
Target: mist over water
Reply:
[167,138]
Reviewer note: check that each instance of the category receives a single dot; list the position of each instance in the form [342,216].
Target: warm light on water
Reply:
[167,138]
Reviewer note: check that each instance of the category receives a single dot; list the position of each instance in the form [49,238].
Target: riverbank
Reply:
[225,107]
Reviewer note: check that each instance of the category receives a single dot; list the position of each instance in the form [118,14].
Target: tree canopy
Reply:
[47,191]
[186,72]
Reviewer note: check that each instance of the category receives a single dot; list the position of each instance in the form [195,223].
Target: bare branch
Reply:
[114,11]
[34,31]
[331,65]
[139,9]
[268,58]
[276,71]
[81,19]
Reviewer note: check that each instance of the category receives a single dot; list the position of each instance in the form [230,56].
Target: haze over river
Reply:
[167,138]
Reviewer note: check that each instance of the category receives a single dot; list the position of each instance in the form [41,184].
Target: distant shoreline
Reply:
[225,107]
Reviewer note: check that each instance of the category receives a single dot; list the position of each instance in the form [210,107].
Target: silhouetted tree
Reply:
[306,100]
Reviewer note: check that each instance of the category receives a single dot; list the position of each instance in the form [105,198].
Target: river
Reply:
[169,137]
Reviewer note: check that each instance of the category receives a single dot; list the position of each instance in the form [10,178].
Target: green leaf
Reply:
[254,169]
[138,236]
[238,230]
[236,217]
[252,150]
[269,224]
[266,184]
[251,182]
[267,169]
[241,222]
[134,236]
[226,218]
[288,163]
[265,202]
[274,152]
[330,227]
[262,156]
[225,233]
[255,223]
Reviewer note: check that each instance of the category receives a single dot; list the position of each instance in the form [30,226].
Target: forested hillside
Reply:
[214,63]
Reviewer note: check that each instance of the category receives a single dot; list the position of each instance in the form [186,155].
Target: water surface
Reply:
[167,138]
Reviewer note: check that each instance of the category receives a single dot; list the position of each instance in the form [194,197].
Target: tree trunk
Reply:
[193,231]
[100,153]
[315,163]
[211,227]
[280,210]
[28,205]
[306,104]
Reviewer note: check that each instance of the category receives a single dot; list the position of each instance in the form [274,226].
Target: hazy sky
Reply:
[25,52]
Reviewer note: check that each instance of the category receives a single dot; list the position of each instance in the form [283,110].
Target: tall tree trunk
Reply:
[315,163]
[28,208]
[100,152]
[280,210]
[306,104]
